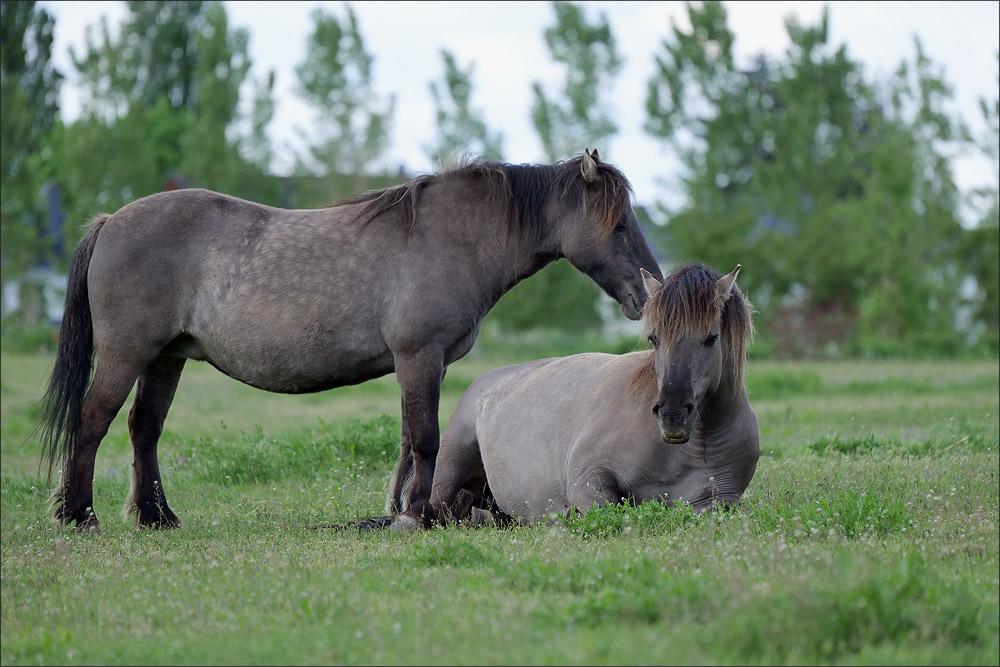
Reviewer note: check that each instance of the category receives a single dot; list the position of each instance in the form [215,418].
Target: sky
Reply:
[504,42]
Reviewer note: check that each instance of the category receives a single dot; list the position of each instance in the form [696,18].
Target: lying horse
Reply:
[564,434]
[298,301]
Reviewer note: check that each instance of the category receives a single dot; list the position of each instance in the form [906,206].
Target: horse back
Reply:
[213,277]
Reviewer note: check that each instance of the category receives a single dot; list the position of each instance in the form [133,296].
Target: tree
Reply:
[207,154]
[256,149]
[981,247]
[162,106]
[335,78]
[155,56]
[589,54]
[29,110]
[460,129]
[835,191]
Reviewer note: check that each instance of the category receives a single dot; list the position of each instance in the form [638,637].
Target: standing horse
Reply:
[560,434]
[297,301]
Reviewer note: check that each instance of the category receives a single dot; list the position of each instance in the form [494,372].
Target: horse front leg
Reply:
[419,378]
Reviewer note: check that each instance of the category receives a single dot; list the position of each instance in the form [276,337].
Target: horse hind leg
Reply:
[147,502]
[73,499]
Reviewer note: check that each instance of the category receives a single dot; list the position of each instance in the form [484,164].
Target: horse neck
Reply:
[718,409]
[521,254]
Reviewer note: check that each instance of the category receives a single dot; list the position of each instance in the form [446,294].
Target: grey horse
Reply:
[562,434]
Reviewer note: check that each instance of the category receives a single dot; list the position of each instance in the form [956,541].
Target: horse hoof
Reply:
[373,523]
[88,525]
[403,522]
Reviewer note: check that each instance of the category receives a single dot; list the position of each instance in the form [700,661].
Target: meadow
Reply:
[869,535]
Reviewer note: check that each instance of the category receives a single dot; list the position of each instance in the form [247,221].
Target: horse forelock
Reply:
[689,304]
[523,190]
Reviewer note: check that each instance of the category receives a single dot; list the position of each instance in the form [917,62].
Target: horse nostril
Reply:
[689,407]
[656,409]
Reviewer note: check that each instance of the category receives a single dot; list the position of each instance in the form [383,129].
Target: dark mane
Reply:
[522,189]
[688,303]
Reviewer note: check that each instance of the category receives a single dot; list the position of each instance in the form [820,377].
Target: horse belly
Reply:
[292,364]
[525,468]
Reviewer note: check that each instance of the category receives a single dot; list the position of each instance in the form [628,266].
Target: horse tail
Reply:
[63,400]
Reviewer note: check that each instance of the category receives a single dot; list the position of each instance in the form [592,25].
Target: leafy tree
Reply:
[256,181]
[256,147]
[29,111]
[155,56]
[207,155]
[589,53]
[161,109]
[981,247]
[460,129]
[335,78]
[835,191]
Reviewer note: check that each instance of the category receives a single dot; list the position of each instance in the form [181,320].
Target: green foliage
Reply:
[207,154]
[352,129]
[833,189]
[981,246]
[166,89]
[155,56]
[589,53]
[29,91]
[461,130]
[836,192]
[558,297]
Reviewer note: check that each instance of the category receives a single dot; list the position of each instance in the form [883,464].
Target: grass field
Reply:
[869,535]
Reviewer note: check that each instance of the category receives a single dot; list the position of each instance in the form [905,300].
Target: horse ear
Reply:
[724,285]
[588,167]
[650,282]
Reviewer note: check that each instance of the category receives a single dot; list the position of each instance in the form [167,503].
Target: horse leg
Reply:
[402,472]
[73,499]
[459,475]
[598,486]
[419,378]
[154,394]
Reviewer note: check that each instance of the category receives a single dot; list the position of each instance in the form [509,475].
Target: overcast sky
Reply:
[505,42]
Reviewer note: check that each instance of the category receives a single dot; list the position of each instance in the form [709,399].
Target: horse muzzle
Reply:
[716,502]
[674,437]
[631,306]
[675,422]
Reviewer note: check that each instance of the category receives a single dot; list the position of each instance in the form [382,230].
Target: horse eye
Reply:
[710,341]
[620,229]
[653,339]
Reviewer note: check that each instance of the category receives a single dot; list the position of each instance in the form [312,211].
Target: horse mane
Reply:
[522,189]
[688,303]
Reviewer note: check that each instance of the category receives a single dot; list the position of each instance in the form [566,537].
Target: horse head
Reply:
[608,245]
[698,323]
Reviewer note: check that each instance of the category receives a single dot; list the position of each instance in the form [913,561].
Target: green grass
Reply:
[869,535]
